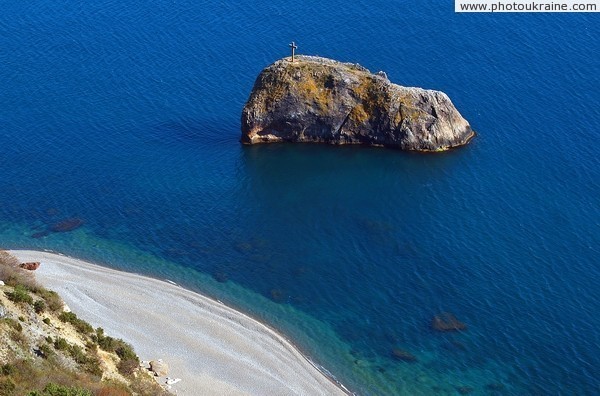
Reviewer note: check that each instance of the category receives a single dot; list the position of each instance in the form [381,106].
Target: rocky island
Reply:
[314,99]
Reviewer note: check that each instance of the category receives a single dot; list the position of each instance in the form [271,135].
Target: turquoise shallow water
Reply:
[127,116]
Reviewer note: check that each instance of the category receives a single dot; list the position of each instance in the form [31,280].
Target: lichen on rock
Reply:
[317,99]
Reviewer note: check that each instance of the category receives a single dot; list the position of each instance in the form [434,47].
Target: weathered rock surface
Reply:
[321,100]
[30,266]
[159,368]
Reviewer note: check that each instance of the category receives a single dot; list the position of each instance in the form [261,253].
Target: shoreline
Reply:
[224,350]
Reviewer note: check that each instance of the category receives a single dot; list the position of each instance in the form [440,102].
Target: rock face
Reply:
[30,266]
[321,100]
[159,368]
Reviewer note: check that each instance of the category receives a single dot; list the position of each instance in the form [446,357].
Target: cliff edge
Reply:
[317,99]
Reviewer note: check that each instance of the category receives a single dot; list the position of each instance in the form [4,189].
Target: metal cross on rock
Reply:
[293,46]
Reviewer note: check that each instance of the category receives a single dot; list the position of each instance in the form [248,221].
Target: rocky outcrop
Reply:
[30,266]
[321,100]
[159,368]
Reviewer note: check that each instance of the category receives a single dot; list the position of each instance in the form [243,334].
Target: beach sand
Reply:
[214,349]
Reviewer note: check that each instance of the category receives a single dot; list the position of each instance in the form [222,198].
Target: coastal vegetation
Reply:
[46,350]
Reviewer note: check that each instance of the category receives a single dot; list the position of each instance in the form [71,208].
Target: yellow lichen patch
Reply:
[371,96]
[358,115]
[312,91]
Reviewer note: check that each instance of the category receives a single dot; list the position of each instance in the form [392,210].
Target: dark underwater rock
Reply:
[40,234]
[464,390]
[221,277]
[495,387]
[317,99]
[402,355]
[447,322]
[67,225]
[278,295]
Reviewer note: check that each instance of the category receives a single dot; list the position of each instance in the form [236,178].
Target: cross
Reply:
[293,46]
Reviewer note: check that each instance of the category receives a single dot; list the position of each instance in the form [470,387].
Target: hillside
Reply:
[46,350]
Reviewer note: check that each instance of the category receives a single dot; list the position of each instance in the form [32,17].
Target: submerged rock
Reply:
[465,390]
[495,387]
[221,277]
[447,322]
[403,355]
[317,99]
[40,234]
[67,225]
[278,295]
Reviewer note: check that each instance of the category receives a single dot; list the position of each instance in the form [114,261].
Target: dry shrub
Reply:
[112,391]
[8,259]
[12,275]
[144,385]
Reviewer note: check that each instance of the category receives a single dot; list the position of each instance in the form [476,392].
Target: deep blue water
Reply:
[126,115]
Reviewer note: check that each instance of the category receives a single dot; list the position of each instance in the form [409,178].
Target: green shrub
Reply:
[81,326]
[61,390]
[19,295]
[39,306]
[124,350]
[46,320]
[93,366]
[61,344]
[88,360]
[7,387]
[129,362]
[7,369]
[52,299]
[77,354]
[21,319]
[105,343]
[46,351]
[13,324]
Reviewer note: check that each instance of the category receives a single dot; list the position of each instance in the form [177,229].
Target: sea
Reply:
[125,115]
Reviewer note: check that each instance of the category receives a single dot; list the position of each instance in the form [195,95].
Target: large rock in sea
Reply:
[316,99]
